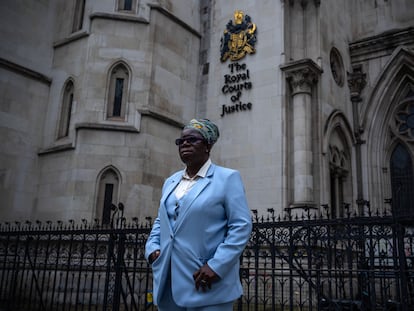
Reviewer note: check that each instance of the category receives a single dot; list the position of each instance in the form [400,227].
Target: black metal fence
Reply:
[70,267]
[354,263]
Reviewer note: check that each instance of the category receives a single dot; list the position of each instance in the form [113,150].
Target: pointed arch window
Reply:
[118,92]
[402,181]
[107,194]
[66,109]
[339,174]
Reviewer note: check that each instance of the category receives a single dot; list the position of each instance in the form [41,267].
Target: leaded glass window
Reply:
[118,93]
[402,181]
[66,110]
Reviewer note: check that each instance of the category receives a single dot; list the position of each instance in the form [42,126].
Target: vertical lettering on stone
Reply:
[236,81]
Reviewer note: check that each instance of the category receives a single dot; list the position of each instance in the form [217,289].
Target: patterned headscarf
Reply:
[206,128]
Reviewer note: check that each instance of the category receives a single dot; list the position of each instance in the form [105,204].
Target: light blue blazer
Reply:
[213,226]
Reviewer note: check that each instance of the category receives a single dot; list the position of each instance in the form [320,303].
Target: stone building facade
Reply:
[314,100]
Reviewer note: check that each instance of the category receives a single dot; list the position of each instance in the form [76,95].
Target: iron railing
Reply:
[45,267]
[352,263]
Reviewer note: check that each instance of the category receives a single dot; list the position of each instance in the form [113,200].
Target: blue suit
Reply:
[213,227]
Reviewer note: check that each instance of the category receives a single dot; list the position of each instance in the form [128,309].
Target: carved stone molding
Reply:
[337,66]
[380,45]
[4,63]
[302,75]
[302,80]
[402,123]
[356,82]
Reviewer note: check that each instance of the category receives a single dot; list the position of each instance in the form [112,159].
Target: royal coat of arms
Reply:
[239,38]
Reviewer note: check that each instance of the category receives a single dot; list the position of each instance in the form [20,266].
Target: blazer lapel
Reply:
[173,182]
[192,195]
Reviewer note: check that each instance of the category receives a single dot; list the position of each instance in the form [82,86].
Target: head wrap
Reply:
[206,128]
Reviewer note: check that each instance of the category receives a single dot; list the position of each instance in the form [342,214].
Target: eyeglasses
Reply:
[191,140]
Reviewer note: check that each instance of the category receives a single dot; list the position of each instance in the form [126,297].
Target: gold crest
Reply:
[239,38]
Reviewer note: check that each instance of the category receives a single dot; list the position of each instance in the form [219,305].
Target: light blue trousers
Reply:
[168,304]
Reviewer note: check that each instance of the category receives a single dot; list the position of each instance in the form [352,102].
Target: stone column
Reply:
[302,77]
[356,83]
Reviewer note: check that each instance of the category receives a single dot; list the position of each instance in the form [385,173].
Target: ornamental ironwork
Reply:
[310,263]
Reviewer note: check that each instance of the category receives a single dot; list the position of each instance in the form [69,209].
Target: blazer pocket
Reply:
[156,261]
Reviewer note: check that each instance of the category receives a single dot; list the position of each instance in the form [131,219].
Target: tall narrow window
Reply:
[78,13]
[126,5]
[339,174]
[66,110]
[118,92]
[402,182]
[107,195]
[119,87]
[106,214]
[338,177]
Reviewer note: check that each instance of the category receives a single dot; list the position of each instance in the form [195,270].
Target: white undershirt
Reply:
[188,182]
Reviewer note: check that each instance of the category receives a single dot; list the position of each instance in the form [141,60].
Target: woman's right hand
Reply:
[153,256]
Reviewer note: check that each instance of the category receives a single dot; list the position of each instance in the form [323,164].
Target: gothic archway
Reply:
[108,185]
[379,115]
[337,146]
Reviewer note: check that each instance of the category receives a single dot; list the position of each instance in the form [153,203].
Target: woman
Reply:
[202,227]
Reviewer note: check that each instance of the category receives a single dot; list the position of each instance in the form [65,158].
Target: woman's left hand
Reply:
[204,277]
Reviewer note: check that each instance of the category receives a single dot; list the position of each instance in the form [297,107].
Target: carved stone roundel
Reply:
[337,66]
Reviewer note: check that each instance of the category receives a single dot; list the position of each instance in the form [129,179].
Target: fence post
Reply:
[118,272]
[403,266]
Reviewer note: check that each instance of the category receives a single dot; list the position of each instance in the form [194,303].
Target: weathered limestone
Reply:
[299,135]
